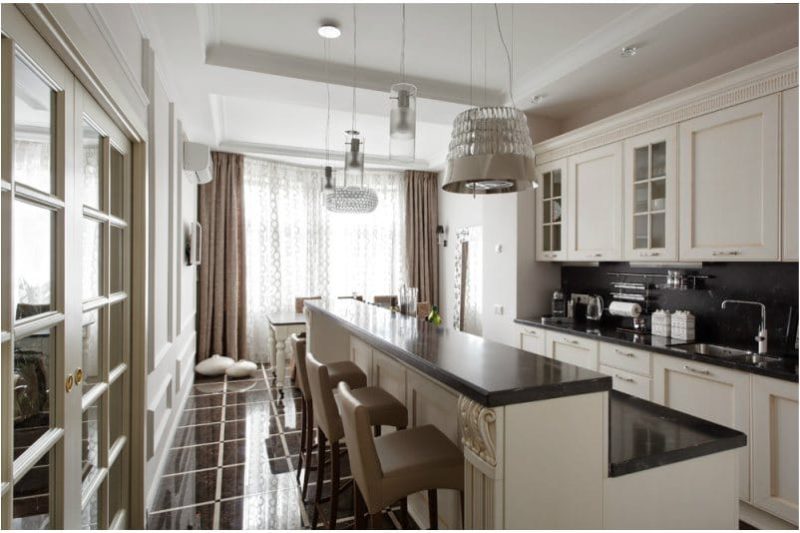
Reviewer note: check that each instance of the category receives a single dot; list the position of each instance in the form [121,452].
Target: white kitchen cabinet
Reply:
[627,382]
[361,355]
[594,206]
[789,175]
[729,183]
[717,394]
[389,375]
[532,340]
[571,349]
[551,216]
[651,196]
[774,446]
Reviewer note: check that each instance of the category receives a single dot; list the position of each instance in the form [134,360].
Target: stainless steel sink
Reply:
[725,352]
[712,350]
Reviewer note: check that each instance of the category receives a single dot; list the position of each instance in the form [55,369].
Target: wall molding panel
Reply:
[159,410]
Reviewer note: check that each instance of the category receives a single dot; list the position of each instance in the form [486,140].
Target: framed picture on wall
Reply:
[193,243]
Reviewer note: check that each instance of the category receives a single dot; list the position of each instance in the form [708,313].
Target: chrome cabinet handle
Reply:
[697,371]
[627,354]
[725,252]
[571,341]
[649,254]
[598,255]
[623,378]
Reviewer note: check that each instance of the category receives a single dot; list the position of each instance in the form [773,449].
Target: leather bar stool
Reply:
[394,466]
[380,407]
[340,371]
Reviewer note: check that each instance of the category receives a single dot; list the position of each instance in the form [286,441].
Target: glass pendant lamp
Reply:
[491,149]
[353,197]
[403,114]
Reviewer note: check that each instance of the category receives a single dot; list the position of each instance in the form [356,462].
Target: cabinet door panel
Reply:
[651,184]
[361,355]
[594,189]
[775,444]
[389,375]
[573,350]
[716,394]
[552,215]
[789,175]
[729,184]
[532,340]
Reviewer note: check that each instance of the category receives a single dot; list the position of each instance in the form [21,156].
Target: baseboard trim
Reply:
[761,519]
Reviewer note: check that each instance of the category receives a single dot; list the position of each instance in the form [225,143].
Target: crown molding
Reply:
[762,78]
[314,153]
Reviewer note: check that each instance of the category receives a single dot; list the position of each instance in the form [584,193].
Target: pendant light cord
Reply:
[471,99]
[328,95]
[508,56]
[403,46]
[355,31]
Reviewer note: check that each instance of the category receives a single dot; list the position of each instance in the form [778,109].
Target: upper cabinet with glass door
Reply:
[651,196]
[550,217]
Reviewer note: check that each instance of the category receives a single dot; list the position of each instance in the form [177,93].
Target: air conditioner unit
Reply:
[197,160]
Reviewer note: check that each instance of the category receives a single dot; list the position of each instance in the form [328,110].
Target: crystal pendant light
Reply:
[491,150]
[403,114]
[353,198]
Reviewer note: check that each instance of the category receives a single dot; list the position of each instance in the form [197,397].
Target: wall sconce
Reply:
[441,235]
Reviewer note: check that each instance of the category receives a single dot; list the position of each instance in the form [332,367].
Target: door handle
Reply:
[69,383]
[78,376]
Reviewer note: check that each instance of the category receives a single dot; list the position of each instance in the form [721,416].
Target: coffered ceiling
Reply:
[251,77]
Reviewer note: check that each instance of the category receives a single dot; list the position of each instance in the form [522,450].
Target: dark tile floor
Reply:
[232,461]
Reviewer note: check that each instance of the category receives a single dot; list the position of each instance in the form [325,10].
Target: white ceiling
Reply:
[251,76]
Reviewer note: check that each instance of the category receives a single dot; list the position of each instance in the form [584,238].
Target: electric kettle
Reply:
[594,308]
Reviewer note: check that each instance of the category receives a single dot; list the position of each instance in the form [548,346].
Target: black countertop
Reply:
[644,435]
[785,368]
[488,372]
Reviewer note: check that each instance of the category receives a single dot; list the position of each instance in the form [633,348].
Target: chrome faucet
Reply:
[761,337]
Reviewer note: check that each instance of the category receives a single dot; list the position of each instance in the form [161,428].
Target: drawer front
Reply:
[624,358]
[532,340]
[629,383]
[573,350]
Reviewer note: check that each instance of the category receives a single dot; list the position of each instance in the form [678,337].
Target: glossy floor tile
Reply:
[233,459]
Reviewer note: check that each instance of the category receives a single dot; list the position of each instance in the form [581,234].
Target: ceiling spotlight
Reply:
[329,31]
[629,51]
[537,99]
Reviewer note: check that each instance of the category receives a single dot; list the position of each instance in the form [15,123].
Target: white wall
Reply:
[115,42]
[512,278]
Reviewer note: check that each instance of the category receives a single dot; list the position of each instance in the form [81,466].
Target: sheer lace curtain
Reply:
[297,248]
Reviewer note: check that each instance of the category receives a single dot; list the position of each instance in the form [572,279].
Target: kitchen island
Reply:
[547,445]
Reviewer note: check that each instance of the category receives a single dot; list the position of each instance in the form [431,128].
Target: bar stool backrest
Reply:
[300,302]
[326,414]
[299,349]
[364,462]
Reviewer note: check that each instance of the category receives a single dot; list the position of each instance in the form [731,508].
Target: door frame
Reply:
[54,35]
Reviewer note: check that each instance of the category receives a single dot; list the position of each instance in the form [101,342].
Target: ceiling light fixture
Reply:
[329,31]
[629,51]
[403,114]
[353,198]
[491,150]
[537,99]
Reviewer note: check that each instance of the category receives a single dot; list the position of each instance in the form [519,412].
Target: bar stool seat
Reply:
[415,460]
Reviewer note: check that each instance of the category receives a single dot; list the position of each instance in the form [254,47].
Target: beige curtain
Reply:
[422,249]
[222,298]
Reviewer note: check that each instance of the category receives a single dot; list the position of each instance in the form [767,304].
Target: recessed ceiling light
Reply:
[329,31]
[537,99]
[629,51]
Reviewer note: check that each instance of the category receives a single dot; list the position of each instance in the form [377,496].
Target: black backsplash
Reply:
[773,284]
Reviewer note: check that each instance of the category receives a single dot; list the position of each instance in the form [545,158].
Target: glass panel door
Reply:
[33,320]
[649,196]
[65,275]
